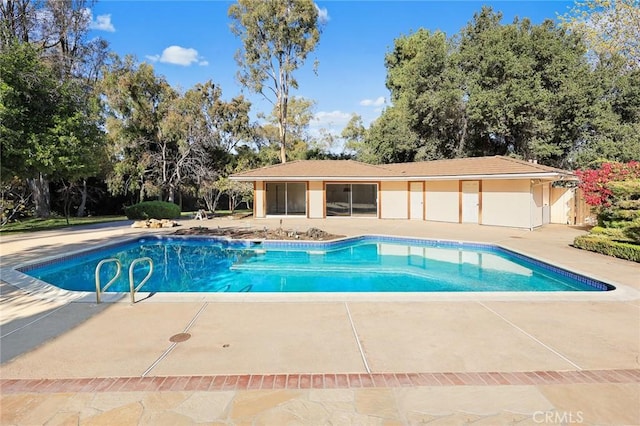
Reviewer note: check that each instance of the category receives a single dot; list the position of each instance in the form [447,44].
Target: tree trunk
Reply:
[41,195]
[83,202]
[283,143]
[282,124]
[463,138]
[211,199]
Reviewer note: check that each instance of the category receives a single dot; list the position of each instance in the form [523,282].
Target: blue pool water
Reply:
[364,264]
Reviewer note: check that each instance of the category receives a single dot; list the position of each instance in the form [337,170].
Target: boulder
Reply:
[154,223]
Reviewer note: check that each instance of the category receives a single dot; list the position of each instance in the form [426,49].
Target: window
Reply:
[286,198]
[357,199]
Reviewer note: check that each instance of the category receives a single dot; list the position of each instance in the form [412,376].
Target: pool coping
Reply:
[13,275]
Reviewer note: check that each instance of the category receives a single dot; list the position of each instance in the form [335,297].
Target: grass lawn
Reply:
[35,224]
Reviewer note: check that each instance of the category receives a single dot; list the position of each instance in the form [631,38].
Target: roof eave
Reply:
[312,178]
[534,175]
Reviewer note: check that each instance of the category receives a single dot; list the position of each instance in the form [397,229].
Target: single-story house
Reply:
[498,190]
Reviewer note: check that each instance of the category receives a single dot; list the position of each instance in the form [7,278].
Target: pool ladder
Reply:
[132,287]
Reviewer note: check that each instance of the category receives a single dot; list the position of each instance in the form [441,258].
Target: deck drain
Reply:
[180,337]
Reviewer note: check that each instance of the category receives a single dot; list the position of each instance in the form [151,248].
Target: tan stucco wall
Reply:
[394,200]
[315,196]
[562,201]
[503,202]
[506,203]
[442,201]
[536,205]
[258,199]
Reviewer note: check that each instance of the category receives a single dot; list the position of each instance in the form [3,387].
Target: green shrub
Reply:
[603,245]
[614,224]
[629,204]
[623,214]
[152,210]
[613,233]
[627,189]
[632,231]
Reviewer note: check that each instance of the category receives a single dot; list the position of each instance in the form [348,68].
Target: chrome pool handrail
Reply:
[133,289]
[99,288]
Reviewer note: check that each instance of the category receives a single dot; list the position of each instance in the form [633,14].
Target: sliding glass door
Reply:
[352,199]
[286,198]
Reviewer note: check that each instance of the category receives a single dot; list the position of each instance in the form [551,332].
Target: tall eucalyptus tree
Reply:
[277,36]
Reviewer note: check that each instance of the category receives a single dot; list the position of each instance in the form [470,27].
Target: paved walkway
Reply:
[435,359]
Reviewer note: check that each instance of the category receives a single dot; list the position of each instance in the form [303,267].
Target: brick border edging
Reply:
[315,381]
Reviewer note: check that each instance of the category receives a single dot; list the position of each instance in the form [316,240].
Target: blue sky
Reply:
[190,42]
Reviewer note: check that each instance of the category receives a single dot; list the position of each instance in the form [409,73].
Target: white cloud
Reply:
[102,23]
[323,14]
[178,55]
[373,102]
[330,119]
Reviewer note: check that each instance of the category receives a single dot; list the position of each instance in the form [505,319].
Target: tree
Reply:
[212,120]
[49,128]
[353,134]
[212,129]
[595,182]
[612,131]
[390,138]
[17,21]
[277,36]
[528,88]
[613,190]
[14,199]
[56,32]
[298,140]
[517,89]
[322,144]
[140,129]
[610,27]
[423,73]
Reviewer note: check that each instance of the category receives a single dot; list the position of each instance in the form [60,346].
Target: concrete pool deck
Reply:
[489,359]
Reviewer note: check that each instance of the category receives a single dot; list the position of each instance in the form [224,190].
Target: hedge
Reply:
[629,204]
[152,210]
[633,231]
[614,233]
[627,251]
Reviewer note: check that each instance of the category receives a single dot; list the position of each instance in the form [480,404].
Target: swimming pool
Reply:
[361,264]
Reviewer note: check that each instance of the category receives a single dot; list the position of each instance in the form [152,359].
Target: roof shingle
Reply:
[497,165]
[319,169]
[346,169]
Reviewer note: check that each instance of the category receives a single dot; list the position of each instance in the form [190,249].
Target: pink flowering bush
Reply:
[614,192]
[594,183]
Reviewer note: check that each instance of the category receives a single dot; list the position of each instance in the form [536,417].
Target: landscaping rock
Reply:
[154,223]
[316,234]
